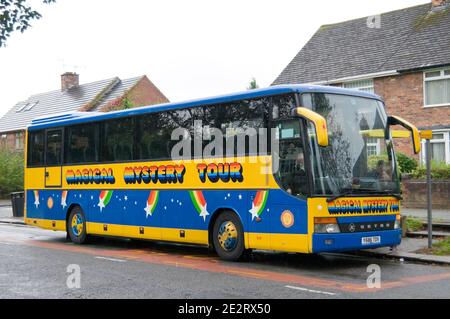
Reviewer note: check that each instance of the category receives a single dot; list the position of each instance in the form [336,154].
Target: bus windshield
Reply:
[358,159]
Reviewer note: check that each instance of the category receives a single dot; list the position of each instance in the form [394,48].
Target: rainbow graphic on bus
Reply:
[258,205]
[104,199]
[199,203]
[64,198]
[36,198]
[152,201]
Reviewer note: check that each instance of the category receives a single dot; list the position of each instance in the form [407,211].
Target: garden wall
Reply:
[415,193]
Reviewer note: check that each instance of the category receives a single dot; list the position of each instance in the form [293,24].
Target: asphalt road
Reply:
[33,264]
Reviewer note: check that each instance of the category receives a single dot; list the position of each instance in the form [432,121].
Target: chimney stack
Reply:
[69,80]
[438,3]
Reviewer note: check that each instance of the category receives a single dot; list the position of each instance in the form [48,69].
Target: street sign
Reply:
[426,135]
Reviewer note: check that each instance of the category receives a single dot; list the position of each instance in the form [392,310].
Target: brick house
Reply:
[403,56]
[100,96]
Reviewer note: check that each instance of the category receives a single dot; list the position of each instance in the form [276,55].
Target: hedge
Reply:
[438,171]
[11,172]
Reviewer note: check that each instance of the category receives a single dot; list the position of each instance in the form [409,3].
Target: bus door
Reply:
[288,211]
[53,157]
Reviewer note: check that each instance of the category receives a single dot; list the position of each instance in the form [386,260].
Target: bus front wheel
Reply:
[228,237]
[76,226]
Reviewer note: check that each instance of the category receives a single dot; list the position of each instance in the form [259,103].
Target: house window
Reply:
[19,141]
[29,106]
[373,146]
[3,140]
[363,85]
[437,87]
[440,147]
[21,107]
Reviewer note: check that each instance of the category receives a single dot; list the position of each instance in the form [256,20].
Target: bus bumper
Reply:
[353,241]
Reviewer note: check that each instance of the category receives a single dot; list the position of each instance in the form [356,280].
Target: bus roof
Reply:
[56,120]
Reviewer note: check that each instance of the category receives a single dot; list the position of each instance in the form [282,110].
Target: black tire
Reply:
[236,246]
[81,237]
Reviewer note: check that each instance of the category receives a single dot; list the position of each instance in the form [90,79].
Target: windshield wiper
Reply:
[346,191]
[387,193]
[359,191]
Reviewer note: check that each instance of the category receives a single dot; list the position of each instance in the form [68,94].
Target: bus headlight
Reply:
[326,225]
[398,223]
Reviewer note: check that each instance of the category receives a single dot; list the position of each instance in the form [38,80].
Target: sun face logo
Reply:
[287,219]
[50,202]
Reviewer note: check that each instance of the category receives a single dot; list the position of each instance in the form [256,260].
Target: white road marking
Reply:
[8,243]
[312,291]
[111,259]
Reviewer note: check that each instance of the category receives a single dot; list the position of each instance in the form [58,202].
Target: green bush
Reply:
[406,164]
[11,172]
[374,159]
[442,247]
[413,224]
[439,170]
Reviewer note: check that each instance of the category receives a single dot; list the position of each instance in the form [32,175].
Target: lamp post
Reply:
[427,136]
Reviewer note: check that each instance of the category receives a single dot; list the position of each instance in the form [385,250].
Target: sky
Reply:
[188,49]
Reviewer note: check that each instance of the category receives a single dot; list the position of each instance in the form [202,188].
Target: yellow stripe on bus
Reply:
[282,242]
[191,236]
[264,241]
[47,223]
[256,171]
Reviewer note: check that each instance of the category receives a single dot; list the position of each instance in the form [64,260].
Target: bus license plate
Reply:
[371,240]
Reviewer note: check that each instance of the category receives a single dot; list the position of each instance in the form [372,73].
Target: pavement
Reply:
[37,263]
[6,215]
[440,216]
[407,250]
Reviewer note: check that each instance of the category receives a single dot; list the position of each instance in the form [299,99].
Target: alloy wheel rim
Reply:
[77,224]
[228,236]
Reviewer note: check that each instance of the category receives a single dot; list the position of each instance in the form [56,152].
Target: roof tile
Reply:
[407,39]
[71,100]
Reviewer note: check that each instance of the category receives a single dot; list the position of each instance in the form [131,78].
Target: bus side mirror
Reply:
[319,122]
[415,134]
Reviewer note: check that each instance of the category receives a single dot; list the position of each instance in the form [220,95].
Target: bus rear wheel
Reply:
[228,237]
[76,226]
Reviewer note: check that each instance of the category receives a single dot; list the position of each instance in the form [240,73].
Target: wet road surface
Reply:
[34,264]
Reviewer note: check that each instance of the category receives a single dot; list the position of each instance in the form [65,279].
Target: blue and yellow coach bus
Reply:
[323,178]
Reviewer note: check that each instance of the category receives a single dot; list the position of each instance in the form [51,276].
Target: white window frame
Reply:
[445,140]
[18,140]
[442,76]
[376,144]
[365,88]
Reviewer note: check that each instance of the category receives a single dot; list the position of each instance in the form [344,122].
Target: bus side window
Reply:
[36,148]
[291,161]
[180,119]
[211,117]
[118,140]
[82,144]
[154,133]
[289,155]
[239,123]
[54,147]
